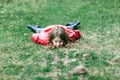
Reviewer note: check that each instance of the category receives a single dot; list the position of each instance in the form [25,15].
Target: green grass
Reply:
[21,59]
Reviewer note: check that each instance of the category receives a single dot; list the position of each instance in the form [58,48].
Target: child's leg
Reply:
[35,29]
[73,25]
[39,30]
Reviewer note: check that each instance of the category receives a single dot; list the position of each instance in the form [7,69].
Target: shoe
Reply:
[33,28]
[73,23]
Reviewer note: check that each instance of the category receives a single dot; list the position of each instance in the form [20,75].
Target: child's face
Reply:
[57,42]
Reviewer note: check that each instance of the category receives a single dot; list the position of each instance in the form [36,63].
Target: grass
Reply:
[21,59]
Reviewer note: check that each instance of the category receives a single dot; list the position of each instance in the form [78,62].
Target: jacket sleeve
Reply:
[36,39]
[73,34]
[77,34]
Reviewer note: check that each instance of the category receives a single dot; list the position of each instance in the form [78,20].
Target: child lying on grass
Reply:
[55,36]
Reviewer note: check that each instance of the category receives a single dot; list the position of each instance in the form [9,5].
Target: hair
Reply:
[58,32]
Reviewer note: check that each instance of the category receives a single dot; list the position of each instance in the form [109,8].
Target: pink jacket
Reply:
[42,38]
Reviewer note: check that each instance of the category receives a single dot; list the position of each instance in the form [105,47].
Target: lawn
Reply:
[98,50]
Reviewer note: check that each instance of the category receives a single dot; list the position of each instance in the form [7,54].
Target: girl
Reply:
[55,36]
